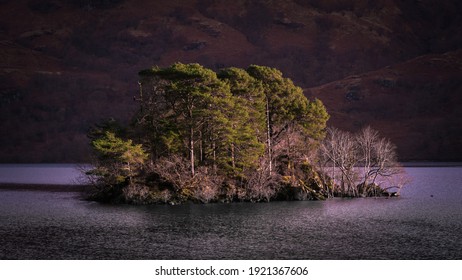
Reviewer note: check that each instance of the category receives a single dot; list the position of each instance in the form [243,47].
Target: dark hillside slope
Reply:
[415,103]
[67,64]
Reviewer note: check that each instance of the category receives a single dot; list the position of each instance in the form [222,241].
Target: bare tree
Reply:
[385,160]
[358,162]
[205,186]
[328,155]
[366,140]
[378,158]
[347,158]
[175,170]
[396,181]
[261,185]
[339,150]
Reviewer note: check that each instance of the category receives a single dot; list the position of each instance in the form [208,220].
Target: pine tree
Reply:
[288,111]
[119,159]
[247,119]
[190,100]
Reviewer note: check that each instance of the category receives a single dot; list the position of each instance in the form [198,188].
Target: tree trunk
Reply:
[289,164]
[191,150]
[214,157]
[233,160]
[201,150]
[268,136]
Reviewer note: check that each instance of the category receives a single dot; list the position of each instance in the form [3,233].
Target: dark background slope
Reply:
[68,64]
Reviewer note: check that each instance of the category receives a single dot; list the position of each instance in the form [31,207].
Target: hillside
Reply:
[67,64]
[415,103]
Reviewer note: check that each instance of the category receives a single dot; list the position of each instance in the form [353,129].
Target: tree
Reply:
[378,157]
[119,159]
[287,110]
[185,101]
[247,119]
[347,157]
[367,141]
[364,155]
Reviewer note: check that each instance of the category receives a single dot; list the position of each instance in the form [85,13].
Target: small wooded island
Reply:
[233,135]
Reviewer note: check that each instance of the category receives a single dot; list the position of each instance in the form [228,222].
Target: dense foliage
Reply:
[235,135]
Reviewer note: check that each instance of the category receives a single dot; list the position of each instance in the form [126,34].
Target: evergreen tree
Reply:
[118,159]
[188,103]
[287,111]
[247,119]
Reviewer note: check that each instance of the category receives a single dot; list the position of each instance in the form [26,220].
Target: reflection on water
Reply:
[425,223]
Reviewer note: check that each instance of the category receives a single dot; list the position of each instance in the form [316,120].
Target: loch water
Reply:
[425,222]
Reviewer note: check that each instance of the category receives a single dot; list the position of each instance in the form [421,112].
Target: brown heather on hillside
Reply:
[65,65]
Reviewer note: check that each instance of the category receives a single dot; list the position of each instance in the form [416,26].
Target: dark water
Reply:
[424,223]
[53,174]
